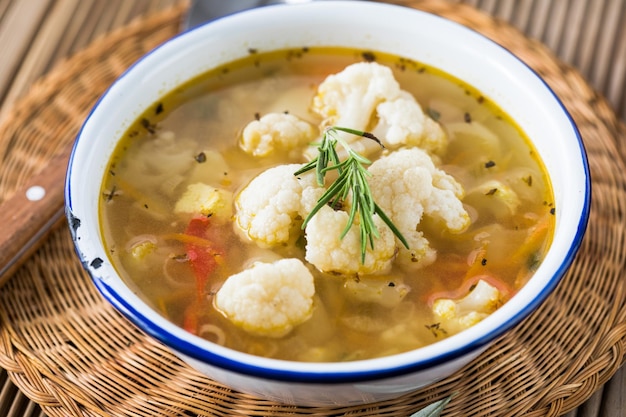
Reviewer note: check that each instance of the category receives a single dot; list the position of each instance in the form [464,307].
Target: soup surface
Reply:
[204,216]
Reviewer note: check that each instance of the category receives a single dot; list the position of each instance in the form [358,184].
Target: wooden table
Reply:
[588,34]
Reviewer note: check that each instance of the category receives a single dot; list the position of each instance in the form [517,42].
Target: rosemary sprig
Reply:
[433,410]
[351,179]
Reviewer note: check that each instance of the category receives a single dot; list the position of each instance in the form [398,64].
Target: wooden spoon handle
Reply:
[31,213]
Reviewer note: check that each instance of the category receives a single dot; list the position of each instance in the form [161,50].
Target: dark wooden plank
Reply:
[589,34]
[613,403]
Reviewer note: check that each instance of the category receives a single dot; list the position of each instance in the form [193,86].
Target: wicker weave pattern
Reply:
[69,351]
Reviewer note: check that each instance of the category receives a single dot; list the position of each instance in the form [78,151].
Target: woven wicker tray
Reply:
[70,352]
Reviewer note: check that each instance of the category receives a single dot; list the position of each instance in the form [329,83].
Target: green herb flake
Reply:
[150,127]
[368,56]
[200,157]
[528,180]
[433,114]
[436,329]
[533,261]
[108,195]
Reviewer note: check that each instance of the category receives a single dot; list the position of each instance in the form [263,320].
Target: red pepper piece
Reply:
[191,319]
[203,257]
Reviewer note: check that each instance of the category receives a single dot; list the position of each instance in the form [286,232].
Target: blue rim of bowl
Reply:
[326,376]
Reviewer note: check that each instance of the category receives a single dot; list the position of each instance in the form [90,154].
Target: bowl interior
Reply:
[368,26]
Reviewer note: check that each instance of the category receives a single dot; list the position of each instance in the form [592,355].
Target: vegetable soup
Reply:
[325,204]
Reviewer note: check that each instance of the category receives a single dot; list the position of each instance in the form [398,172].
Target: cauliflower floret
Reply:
[269,208]
[275,132]
[402,122]
[268,299]
[362,91]
[350,97]
[206,200]
[330,253]
[407,185]
[459,314]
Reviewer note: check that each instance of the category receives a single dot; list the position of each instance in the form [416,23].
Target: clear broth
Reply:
[158,157]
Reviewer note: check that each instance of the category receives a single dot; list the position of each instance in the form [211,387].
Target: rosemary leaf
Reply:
[325,198]
[390,224]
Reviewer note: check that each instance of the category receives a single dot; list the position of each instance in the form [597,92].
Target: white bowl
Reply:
[423,37]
